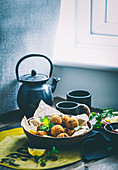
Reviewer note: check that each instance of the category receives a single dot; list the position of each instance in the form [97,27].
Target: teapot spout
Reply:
[54,83]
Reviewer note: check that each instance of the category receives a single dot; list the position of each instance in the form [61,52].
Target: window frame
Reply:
[76,44]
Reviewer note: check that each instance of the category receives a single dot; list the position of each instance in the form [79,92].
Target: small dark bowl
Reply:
[113,135]
[62,143]
[68,107]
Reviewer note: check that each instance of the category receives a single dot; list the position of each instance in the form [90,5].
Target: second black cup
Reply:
[80,96]
[72,108]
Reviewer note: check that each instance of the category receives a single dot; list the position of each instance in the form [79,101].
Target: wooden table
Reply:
[13,119]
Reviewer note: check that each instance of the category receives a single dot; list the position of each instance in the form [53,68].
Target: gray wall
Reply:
[26,26]
[103,84]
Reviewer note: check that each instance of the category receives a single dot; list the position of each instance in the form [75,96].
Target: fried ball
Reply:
[71,132]
[56,119]
[57,129]
[65,130]
[72,123]
[62,135]
[38,127]
[41,133]
[65,119]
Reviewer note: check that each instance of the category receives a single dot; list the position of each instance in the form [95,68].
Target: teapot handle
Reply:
[33,55]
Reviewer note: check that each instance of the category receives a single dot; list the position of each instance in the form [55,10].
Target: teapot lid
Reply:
[34,77]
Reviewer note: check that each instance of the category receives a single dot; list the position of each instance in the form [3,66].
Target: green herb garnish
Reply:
[108,112]
[54,150]
[93,114]
[47,125]
[99,116]
[50,155]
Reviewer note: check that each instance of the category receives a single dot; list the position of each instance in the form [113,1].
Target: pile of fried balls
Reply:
[63,126]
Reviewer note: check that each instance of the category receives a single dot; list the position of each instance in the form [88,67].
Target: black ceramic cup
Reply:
[72,108]
[80,96]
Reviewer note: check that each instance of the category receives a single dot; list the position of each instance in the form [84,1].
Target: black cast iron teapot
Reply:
[34,88]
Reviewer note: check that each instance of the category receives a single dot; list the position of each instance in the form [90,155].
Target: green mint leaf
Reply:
[43,127]
[37,158]
[93,114]
[46,121]
[47,128]
[99,117]
[41,120]
[48,155]
[90,117]
[42,162]
[108,112]
[51,125]
[54,150]
[97,125]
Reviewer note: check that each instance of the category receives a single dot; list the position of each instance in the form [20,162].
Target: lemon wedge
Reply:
[35,151]
[112,119]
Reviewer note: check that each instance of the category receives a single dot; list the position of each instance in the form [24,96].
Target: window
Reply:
[87,34]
